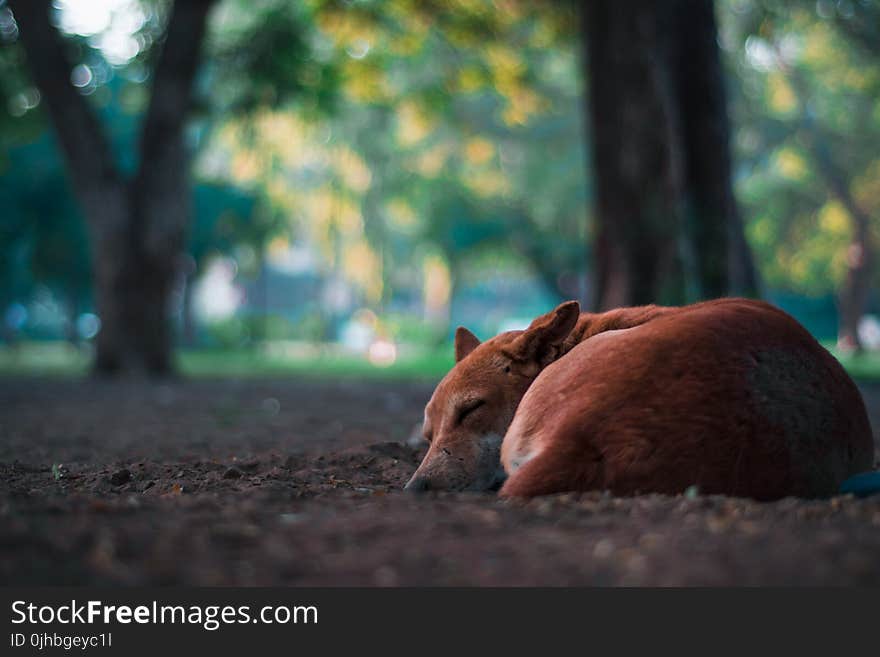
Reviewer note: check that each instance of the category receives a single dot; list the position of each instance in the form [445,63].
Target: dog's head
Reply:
[473,405]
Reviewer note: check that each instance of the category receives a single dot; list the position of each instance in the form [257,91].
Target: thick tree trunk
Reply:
[137,226]
[636,161]
[132,286]
[667,226]
[723,258]
[132,294]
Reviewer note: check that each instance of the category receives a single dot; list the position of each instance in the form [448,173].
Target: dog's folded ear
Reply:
[465,342]
[540,342]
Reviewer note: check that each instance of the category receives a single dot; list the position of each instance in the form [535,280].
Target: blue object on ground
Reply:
[862,485]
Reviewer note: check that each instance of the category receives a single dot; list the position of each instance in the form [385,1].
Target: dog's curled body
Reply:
[732,396]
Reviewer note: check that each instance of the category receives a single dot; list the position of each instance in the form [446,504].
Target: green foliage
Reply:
[387,135]
[413,330]
[806,83]
[44,240]
[224,217]
[260,54]
[452,132]
[17,124]
[239,331]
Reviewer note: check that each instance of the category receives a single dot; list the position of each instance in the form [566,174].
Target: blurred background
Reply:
[230,187]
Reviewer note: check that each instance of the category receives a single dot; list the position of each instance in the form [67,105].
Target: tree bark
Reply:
[667,226]
[723,258]
[136,226]
[636,162]
[853,298]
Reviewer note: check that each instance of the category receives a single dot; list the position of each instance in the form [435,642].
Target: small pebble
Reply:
[603,549]
[120,477]
[232,473]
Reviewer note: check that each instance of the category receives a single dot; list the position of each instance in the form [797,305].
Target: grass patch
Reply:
[44,359]
[59,359]
[862,367]
[323,364]
[62,360]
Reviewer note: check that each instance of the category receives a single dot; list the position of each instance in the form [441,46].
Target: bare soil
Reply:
[298,483]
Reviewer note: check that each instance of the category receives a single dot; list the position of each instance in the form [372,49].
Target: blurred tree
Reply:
[667,224]
[481,101]
[58,245]
[15,280]
[457,131]
[137,223]
[806,103]
[452,132]
[43,241]
[860,253]
[223,218]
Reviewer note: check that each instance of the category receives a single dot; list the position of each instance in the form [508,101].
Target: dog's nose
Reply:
[417,484]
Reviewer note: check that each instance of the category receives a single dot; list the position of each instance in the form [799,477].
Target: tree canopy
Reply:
[405,142]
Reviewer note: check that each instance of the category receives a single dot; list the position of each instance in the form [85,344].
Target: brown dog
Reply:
[732,395]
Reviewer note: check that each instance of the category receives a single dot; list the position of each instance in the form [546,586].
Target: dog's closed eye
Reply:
[469,408]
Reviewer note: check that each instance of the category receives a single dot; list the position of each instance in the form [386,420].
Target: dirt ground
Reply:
[298,483]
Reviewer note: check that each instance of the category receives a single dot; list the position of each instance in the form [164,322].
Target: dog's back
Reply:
[733,396]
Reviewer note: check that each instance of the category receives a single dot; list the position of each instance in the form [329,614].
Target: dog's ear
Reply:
[540,342]
[465,342]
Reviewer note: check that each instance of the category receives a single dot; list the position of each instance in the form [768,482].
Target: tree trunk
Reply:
[853,297]
[667,226]
[137,226]
[723,258]
[132,288]
[636,160]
